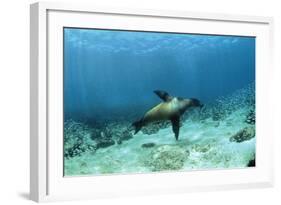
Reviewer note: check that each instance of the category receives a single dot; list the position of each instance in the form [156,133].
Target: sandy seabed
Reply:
[224,142]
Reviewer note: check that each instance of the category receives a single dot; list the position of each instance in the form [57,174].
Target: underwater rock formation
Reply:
[117,131]
[166,157]
[225,105]
[104,142]
[252,163]
[148,145]
[102,132]
[251,117]
[246,133]
[124,136]
[154,127]
[218,114]
[77,139]
[80,138]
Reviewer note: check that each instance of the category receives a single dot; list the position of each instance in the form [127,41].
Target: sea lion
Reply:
[171,109]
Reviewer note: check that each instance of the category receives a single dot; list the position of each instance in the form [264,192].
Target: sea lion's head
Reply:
[184,104]
[196,103]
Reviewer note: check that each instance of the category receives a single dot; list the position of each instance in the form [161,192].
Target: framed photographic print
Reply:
[127,102]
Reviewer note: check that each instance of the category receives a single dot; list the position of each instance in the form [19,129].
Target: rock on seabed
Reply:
[167,157]
[246,133]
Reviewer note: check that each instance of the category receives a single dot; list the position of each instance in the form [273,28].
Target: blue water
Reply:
[111,75]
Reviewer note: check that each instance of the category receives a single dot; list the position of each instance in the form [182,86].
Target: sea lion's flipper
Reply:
[176,126]
[163,95]
[138,125]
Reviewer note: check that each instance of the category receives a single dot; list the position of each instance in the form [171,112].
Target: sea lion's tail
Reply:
[138,125]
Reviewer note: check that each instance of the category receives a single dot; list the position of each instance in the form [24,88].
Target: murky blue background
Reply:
[111,75]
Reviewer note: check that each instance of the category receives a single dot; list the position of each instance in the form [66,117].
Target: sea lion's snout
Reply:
[196,103]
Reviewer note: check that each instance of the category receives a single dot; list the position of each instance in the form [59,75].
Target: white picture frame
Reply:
[46,177]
